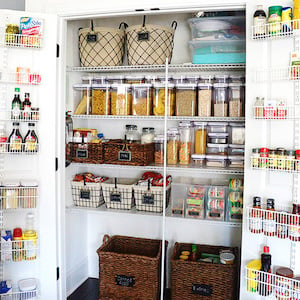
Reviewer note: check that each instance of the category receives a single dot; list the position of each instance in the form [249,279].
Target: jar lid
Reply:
[221,76]
[11,183]
[272,151]
[98,79]
[235,84]
[162,85]
[201,85]
[237,124]
[159,138]
[189,86]
[198,156]
[28,183]
[206,76]
[141,85]
[179,78]
[100,86]
[115,77]
[290,152]
[131,127]
[210,145]
[196,123]
[241,147]
[121,85]
[163,78]
[134,77]
[236,157]
[218,134]
[147,129]
[264,149]
[81,86]
[297,151]
[220,85]
[216,157]
[227,258]
[185,124]
[285,272]
[28,284]
[217,123]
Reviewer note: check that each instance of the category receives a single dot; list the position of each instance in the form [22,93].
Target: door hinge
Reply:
[57,50]
[57,273]
[56,163]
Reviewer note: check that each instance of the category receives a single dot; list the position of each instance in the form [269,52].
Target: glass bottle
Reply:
[148,134]
[31,139]
[255,218]
[259,22]
[185,144]
[16,105]
[15,139]
[30,238]
[269,223]
[131,134]
[26,107]
[294,230]
[3,139]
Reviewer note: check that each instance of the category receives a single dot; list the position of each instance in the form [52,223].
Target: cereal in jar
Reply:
[159,100]
[204,99]
[186,99]
[173,146]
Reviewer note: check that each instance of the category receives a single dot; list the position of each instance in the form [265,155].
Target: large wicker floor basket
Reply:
[202,280]
[129,268]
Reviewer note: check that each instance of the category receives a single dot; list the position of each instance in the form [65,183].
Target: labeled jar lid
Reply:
[148,129]
[28,284]
[227,258]
[272,151]
[235,78]
[297,152]
[285,272]
[185,124]
[134,78]
[206,78]
[179,79]
[192,79]
[81,86]
[99,80]
[280,151]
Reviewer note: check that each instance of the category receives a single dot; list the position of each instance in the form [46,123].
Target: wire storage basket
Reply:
[129,268]
[150,44]
[101,46]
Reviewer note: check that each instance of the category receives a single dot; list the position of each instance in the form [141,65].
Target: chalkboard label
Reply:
[194,213]
[148,199]
[215,215]
[236,216]
[177,211]
[202,289]
[84,194]
[115,197]
[143,36]
[124,156]
[82,153]
[91,38]
[124,280]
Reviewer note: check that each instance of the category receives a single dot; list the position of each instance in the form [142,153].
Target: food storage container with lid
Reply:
[159,100]
[215,127]
[237,133]
[235,100]
[142,99]
[179,79]
[28,289]
[237,149]
[121,99]
[130,79]
[116,79]
[220,101]
[131,134]
[100,99]
[218,138]
[236,79]
[186,95]
[236,161]
[192,79]
[162,79]
[221,79]
[159,149]
[186,142]
[151,79]
[200,137]
[217,161]
[99,80]
[173,146]
[204,99]
[148,135]
[217,149]
[199,159]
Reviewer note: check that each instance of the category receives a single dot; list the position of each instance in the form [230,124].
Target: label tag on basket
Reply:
[91,38]
[82,153]
[148,199]
[177,211]
[143,36]
[115,197]
[215,215]
[124,280]
[124,156]
[84,194]
[193,213]
[202,289]
[236,216]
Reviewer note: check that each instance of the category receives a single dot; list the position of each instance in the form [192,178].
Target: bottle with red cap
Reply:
[294,230]
[265,280]
[17,245]
[297,162]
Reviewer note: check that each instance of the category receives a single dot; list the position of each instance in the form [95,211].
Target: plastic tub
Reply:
[217,127]
[186,102]
[236,149]
[142,99]
[237,133]
[217,149]
[218,138]
[198,160]
[216,161]
[235,161]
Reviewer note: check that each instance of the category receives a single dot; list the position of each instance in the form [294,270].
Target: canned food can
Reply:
[286,19]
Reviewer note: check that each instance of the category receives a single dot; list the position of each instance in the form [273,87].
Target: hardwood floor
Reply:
[87,291]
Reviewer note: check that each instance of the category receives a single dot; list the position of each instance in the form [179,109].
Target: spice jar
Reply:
[142,99]
[235,100]
[294,229]
[284,284]
[185,144]
[131,134]
[274,19]
[290,159]
[200,137]
[159,149]
[35,113]
[259,108]
[264,156]
[255,158]
[281,158]
[173,146]
[121,99]
[186,99]
[255,217]
[297,161]
[296,286]
[272,161]
[220,100]
[159,100]
[204,99]
[269,221]
[100,99]
[282,225]
[148,135]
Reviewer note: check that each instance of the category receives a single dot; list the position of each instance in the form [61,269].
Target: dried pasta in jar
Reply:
[142,99]
[121,99]
[159,100]
[101,100]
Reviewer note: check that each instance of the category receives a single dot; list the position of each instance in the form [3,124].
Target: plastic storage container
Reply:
[217,149]
[236,161]
[204,99]
[236,149]
[235,100]
[159,149]
[179,192]
[185,144]
[199,160]
[200,137]
[142,99]
[237,133]
[186,95]
[134,79]
[100,99]
[218,138]
[121,99]
[216,161]
[173,146]
[217,127]
[220,100]
[159,100]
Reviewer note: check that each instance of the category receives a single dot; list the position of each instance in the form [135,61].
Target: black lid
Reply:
[256,201]
[27,94]
[31,124]
[147,129]
[16,123]
[270,203]
[131,126]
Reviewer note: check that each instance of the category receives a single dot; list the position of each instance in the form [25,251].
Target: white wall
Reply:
[12,4]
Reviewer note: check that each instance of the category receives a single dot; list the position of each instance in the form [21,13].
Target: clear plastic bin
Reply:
[220,100]
[142,99]
[195,201]
[236,149]
[218,138]
[217,127]
[237,133]
[200,129]
[100,99]
[178,194]
[204,99]
[159,100]
[236,161]
[235,100]
[216,202]
[217,149]
[199,160]
[186,102]
[121,99]
[216,161]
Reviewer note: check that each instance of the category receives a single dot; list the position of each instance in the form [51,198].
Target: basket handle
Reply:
[144,21]
[124,24]
[116,183]
[106,238]
[149,184]
[84,181]
[92,25]
[174,25]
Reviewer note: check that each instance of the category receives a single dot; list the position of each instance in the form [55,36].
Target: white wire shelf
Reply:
[275,113]
[13,198]
[22,78]
[151,68]
[280,224]
[285,165]
[159,118]
[14,295]
[291,73]
[276,30]
[270,286]
[19,149]
[24,116]
[20,40]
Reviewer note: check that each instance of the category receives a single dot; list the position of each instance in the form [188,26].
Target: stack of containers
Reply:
[216,203]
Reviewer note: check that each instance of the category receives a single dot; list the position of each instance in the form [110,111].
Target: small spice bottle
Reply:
[284,284]
[263,160]
[272,161]
[255,218]
[290,159]
[296,292]
[269,221]
[297,161]
[282,225]
[255,157]
[294,229]
[281,158]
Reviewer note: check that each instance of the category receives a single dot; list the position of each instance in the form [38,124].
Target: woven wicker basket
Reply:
[129,268]
[212,281]
[90,153]
[121,153]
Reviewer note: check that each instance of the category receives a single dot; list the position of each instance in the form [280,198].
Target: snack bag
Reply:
[32,29]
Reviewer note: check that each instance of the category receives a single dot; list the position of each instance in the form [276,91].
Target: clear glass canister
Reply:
[159,100]
[159,149]
[204,99]
[100,99]
[185,144]
[131,134]
[200,137]
[221,79]
[142,99]
[220,100]
[148,135]
[186,96]
[173,146]
[235,100]
[121,99]
[134,79]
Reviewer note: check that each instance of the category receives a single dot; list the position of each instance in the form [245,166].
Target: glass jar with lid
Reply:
[235,100]
[148,135]
[131,134]
[159,100]
[206,79]
[204,99]
[142,99]
[121,99]
[200,137]
[221,79]
[172,146]
[159,149]
[100,99]
[130,79]
[185,142]
[220,100]
[186,95]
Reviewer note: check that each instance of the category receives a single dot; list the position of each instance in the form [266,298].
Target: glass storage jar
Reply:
[121,99]
[200,137]
[148,135]
[173,146]
[185,144]
[204,99]
[186,99]
[100,99]
[159,100]
[159,149]
[131,134]
[134,79]
[235,100]
[220,100]
[142,99]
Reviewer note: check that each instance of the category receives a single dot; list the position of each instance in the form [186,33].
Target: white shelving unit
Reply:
[21,41]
